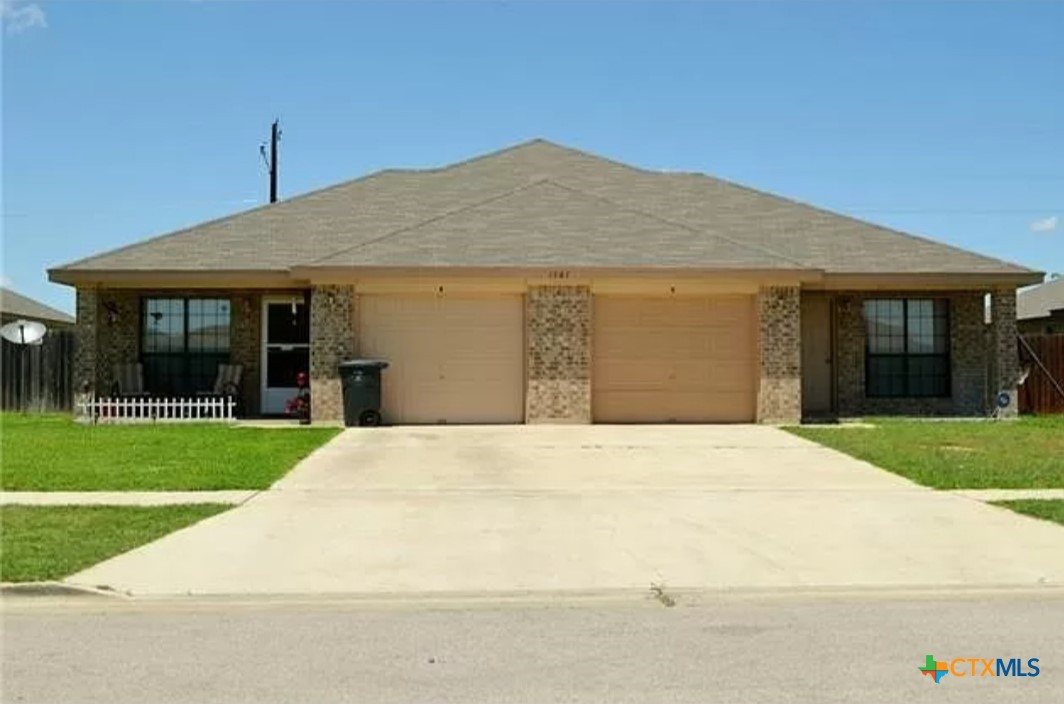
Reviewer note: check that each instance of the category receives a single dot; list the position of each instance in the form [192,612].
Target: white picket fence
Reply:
[207,409]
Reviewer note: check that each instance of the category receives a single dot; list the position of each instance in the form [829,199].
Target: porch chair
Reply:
[128,380]
[227,383]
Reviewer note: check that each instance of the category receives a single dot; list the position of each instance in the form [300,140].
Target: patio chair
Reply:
[128,380]
[227,383]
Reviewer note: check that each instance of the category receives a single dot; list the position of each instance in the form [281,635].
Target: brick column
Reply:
[1004,357]
[85,340]
[332,339]
[245,347]
[117,339]
[779,398]
[558,341]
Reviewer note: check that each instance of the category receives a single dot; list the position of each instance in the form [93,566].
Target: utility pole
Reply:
[271,162]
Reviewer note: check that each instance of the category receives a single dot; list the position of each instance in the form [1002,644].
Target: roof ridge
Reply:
[686,226]
[426,221]
[836,214]
[301,196]
[230,216]
[478,157]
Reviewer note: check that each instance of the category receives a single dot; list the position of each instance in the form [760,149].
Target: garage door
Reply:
[677,359]
[453,359]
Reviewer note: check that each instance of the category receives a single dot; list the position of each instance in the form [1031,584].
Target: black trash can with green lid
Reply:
[361,383]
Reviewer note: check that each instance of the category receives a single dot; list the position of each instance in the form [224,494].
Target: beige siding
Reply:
[454,359]
[674,359]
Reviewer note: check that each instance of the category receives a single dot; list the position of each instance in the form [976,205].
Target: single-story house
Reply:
[1040,309]
[540,283]
[14,306]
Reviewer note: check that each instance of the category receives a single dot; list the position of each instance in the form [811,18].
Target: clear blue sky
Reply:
[125,120]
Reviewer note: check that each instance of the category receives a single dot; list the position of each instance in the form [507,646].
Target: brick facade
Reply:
[1005,366]
[967,351]
[558,329]
[779,396]
[85,327]
[108,327]
[332,340]
[558,344]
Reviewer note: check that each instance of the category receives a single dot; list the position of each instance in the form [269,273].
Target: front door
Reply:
[286,350]
[817,369]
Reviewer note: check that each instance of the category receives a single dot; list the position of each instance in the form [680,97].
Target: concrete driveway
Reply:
[588,508]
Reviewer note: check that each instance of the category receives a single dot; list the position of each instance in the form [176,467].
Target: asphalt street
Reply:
[823,647]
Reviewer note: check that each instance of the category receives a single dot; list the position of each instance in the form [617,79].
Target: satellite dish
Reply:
[24,332]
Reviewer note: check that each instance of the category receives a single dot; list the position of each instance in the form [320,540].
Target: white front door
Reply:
[285,349]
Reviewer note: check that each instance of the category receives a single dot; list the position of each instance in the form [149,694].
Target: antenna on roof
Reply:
[271,161]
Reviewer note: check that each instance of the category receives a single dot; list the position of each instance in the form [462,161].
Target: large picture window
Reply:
[183,342]
[908,348]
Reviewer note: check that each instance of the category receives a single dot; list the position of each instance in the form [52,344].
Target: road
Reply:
[823,647]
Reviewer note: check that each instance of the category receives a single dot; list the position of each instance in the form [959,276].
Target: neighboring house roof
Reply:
[1040,301]
[540,203]
[16,305]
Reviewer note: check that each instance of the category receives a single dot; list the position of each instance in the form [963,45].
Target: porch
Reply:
[179,339]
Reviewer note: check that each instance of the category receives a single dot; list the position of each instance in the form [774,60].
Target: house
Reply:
[14,306]
[540,283]
[1040,309]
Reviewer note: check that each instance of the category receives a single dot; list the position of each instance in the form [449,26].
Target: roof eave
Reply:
[928,280]
[340,274]
[175,278]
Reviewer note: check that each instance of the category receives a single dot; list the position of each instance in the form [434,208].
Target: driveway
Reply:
[588,508]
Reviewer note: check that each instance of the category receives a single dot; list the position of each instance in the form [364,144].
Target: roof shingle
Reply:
[539,203]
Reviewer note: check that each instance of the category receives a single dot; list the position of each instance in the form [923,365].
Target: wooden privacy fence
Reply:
[1043,356]
[207,409]
[38,377]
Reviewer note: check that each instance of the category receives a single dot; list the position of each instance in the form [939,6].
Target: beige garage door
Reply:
[683,359]
[454,359]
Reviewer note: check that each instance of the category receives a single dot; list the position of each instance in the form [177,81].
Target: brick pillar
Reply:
[245,347]
[558,339]
[332,339]
[85,340]
[117,333]
[779,398]
[1004,357]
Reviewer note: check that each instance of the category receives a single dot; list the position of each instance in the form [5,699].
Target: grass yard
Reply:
[51,542]
[53,453]
[1047,509]
[1023,454]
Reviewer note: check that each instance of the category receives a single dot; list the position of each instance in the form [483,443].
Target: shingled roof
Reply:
[15,305]
[1040,301]
[539,204]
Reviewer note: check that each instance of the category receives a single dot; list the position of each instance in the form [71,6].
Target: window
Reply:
[183,342]
[908,348]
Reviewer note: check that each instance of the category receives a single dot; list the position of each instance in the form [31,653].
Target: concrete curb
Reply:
[54,589]
[682,596]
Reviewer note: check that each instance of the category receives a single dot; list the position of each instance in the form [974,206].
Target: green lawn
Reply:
[1048,509]
[51,542]
[52,453]
[1023,454]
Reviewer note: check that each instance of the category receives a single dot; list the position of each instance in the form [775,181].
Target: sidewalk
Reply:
[122,498]
[1009,494]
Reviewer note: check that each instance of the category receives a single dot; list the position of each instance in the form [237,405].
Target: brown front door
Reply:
[817,364]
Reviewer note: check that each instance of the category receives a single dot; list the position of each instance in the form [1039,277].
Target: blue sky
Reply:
[123,120]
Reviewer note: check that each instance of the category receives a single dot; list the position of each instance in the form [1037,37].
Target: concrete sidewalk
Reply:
[534,509]
[121,498]
[1009,494]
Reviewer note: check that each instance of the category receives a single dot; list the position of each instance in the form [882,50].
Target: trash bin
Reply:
[361,383]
